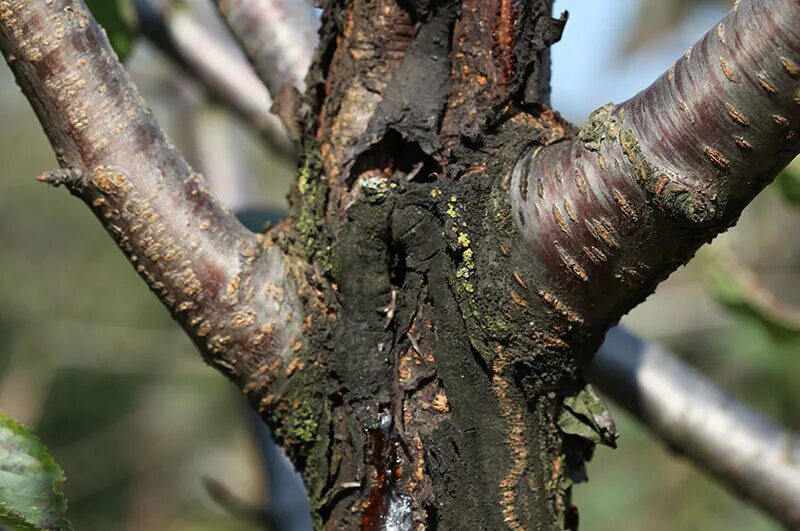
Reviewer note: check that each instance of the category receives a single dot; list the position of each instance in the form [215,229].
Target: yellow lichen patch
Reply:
[464,272]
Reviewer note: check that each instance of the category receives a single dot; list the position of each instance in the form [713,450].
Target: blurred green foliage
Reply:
[789,182]
[118,18]
[29,481]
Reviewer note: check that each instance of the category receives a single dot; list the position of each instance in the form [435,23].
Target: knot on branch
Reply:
[72,178]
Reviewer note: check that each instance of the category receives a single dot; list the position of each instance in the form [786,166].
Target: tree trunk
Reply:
[433,407]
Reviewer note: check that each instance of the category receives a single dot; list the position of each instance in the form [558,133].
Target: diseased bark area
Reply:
[397,207]
[645,183]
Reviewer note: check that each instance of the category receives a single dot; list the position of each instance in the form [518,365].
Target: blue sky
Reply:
[589,67]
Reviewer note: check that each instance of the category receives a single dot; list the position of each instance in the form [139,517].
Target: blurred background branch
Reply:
[278,36]
[218,64]
[748,453]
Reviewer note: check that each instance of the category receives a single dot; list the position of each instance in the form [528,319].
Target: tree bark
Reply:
[415,111]
[416,332]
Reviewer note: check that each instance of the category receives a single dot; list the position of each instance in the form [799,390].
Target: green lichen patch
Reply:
[670,193]
[309,201]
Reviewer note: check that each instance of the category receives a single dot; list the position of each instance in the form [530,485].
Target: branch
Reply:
[208,270]
[613,211]
[278,36]
[745,451]
[218,65]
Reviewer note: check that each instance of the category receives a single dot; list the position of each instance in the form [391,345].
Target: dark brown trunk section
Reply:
[425,344]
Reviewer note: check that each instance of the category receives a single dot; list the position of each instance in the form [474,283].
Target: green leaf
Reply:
[789,182]
[29,479]
[118,18]
[586,415]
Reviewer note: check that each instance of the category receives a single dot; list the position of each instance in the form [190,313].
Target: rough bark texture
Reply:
[416,332]
[414,113]
[616,209]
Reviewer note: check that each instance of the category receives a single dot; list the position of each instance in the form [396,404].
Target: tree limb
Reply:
[221,68]
[278,36]
[614,210]
[745,451]
[226,286]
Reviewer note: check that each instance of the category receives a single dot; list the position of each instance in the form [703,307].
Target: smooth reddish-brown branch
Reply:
[747,452]
[225,285]
[614,210]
